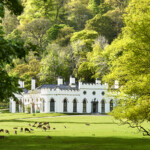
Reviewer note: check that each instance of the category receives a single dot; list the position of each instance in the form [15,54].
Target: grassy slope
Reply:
[103,133]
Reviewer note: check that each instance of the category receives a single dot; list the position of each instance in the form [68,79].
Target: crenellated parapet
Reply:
[93,86]
[59,91]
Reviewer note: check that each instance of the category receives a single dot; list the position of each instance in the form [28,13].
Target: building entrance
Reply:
[95,107]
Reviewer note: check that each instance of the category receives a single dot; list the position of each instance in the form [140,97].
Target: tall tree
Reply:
[8,50]
[128,59]
[9,22]
[82,43]
[35,32]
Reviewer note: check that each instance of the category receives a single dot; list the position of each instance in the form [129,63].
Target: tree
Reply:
[46,9]
[35,32]
[104,25]
[9,22]
[78,14]
[86,38]
[64,36]
[54,64]
[26,70]
[128,59]
[93,6]
[9,49]
[82,43]
[52,33]
[96,59]
[121,4]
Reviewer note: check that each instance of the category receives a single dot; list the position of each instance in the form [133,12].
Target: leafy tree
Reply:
[9,22]
[52,33]
[26,70]
[86,38]
[64,36]
[78,14]
[48,9]
[82,43]
[104,7]
[121,4]
[93,7]
[85,72]
[104,25]
[35,32]
[128,59]
[96,59]
[116,17]
[54,64]
[8,50]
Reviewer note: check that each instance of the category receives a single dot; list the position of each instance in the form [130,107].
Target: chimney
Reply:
[98,81]
[33,83]
[21,83]
[80,83]
[72,81]
[116,84]
[60,81]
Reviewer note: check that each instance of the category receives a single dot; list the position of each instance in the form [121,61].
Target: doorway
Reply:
[94,107]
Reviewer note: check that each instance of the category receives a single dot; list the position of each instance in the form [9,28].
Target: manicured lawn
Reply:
[102,133]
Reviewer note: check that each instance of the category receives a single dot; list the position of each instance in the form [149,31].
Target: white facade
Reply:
[84,98]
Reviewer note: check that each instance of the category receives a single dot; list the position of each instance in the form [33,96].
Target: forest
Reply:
[106,39]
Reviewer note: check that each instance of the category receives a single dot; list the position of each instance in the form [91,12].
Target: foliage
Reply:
[9,49]
[128,59]
[104,25]
[54,64]
[35,32]
[64,36]
[82,43]
[78,14]
[52,33]
[96,59]
[86,38]
[9,22]
[93,6]
[26,70]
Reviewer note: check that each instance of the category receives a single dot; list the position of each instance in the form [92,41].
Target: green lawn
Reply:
[102,134]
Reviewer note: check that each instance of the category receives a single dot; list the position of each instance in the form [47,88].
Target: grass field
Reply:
[102,133]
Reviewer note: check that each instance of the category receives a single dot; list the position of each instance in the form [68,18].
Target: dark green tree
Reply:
[9,49]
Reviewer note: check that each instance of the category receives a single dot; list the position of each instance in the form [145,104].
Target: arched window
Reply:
[74,105]
[65,105]
[103,106]
[111,105]
[52,105]
[84,105]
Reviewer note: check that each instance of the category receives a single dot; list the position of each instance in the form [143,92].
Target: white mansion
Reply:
[60,98]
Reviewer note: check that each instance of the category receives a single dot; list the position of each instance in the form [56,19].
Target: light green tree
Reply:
[128,59]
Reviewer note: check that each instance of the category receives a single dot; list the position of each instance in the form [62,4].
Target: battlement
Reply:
[93,85]
[59,91]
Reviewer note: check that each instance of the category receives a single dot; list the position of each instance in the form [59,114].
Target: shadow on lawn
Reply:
[15,120]
[57,122]
[73,143]
[83,122]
